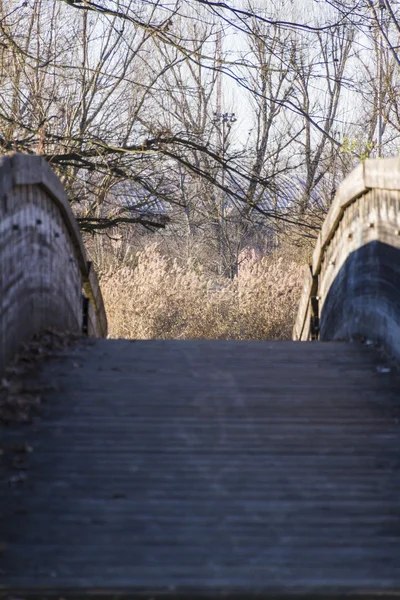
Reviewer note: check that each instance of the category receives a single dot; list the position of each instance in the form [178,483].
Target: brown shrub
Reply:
[159,298]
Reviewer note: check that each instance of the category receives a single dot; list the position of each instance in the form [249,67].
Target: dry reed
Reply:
[159,298]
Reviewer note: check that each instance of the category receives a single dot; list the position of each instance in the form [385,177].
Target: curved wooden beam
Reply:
[44,267]
[356,263]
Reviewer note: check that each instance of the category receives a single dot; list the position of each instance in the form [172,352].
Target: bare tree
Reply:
[121,101]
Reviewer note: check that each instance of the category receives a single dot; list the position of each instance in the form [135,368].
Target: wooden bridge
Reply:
[198,469]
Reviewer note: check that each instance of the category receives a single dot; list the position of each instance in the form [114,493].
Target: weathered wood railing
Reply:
[43,264]
[353,285]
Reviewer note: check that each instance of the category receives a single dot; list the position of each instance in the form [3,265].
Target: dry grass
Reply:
[158,298]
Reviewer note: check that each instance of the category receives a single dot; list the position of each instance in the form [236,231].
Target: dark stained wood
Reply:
[194,469]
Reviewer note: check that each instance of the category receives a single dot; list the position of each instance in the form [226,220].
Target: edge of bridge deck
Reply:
[191,594]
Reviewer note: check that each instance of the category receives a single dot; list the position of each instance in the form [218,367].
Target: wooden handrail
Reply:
[44,267]
[361,229]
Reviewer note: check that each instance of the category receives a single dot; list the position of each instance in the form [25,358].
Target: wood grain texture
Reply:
[382,174]
[359,281]
[43,265]
[196,469]
[40,280]
[97,318]
[356,285]
[370,276]
[351,188]
[301,329]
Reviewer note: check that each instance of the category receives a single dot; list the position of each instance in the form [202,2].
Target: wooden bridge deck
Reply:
[207,469]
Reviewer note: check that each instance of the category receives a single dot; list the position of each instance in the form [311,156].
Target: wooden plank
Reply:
[382,174]
[32,294]
[351,188]
[97,322]
[301,324]
[359,277]
[34,170]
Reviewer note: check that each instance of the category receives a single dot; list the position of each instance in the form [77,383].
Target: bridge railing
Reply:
[43,263]
[353,285]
